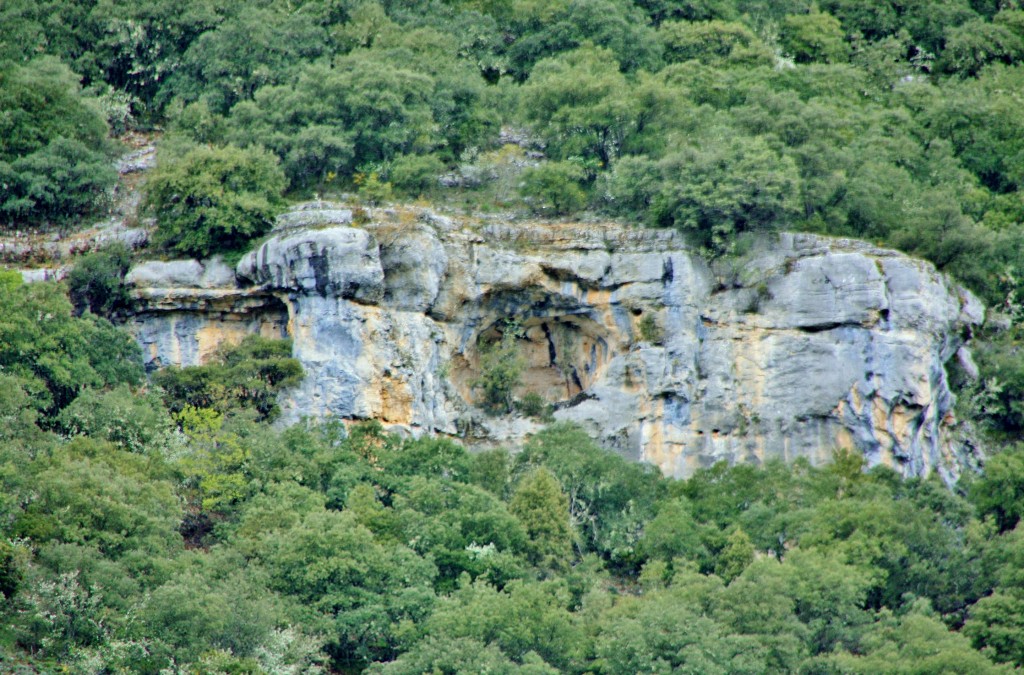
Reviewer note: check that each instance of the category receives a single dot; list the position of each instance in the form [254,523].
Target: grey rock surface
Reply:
[165,274]
[212,273]
[140,160]
[414,263]
[336,261]
[41,274]
[131,237]
[804,345]
[314,214]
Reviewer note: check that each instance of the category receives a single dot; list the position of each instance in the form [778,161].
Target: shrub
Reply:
[715,43]
[56,354]
[975,44]
[1002,371]
[53,162]
[501,370]
[373,190]
[55,184]
[96,283]
[726,187]
[541,505]
[215,200]
[814,37]
[11,568]
[649,329]
[9,280]
[131,420]
[247,375]
[632,186]
[533,405]
[555,186]
[415,174]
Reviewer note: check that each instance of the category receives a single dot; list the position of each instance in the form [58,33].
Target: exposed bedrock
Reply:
[804,345]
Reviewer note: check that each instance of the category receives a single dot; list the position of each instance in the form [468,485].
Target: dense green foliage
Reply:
[54,161]
[214,200]
[891,121]
[245,375]
[96,282]
[54,356]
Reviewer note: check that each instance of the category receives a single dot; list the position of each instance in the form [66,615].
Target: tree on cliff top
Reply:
[215,200]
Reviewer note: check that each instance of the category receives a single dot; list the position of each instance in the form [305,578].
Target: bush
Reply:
[555,186]
[501,370]
[1000,492]
[362,111]
[11,572]
[814,37]
[96,283]
[131,420]
[714,43]
[650,331]
[1002,371]
[415,174]
[975,44]
[631,186]
[373,190]
[215,200]
[55,184]
[533,405]
[725,188]
[247,375]
[56,354]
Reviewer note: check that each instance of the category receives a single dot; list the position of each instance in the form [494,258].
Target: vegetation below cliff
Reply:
[174,530]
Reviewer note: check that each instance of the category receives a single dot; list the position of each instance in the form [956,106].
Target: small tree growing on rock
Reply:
[555,187]
[215,200]
[96,283]
[501,370]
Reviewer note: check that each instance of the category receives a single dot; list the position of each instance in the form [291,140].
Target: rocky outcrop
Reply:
[801,346]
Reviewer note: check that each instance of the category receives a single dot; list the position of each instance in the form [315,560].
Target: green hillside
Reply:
[167,525]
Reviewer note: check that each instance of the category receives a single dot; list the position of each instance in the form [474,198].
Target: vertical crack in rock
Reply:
[321,272]
[552,352]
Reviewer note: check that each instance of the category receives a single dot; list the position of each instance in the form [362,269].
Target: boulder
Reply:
[341,262]
[212,273]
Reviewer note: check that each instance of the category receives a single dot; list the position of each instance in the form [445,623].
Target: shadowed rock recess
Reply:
[801,346]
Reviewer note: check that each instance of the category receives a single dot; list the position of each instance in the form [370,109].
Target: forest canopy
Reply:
[167,525]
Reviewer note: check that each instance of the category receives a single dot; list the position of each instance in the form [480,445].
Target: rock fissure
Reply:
[825,327]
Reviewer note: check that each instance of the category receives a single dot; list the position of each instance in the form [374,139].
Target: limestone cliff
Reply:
[803,345]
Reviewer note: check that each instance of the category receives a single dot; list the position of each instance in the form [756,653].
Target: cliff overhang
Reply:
[803,345]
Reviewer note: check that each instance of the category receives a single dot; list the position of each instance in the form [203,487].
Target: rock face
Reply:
[800,347]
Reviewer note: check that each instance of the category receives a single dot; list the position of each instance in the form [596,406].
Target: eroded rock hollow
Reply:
[799,347]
